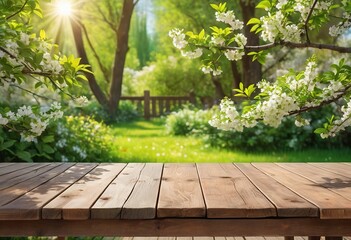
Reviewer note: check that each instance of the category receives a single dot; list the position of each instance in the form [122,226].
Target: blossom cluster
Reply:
[29,121]
[304,90]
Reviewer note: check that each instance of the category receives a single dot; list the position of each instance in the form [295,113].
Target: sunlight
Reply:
[63,8]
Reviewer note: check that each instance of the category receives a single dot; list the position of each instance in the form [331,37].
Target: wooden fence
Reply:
[155,106]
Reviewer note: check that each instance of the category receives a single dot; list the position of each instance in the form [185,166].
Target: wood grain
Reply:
[110,203]
[333,181]
[16,191]
[8,168]
[28,206]
[339,168]
[229,194]
[288,203]
[180,192]
[75,202]
[22,175]
[331,205]
[142,202]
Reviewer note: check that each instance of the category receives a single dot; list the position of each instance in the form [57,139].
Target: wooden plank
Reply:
[143,200]
[144,238]
[287,203]
[166,238]
[180,193]
[5,164]
[184,238]
[331,205]
[14,192]
[203,238]
[178,227]
[339,168]
[21,175]
[14,167]
[75,202]
[29,205]
[229,194]
[110,203]
[334,182]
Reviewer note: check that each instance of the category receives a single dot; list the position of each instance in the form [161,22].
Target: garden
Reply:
[270,81]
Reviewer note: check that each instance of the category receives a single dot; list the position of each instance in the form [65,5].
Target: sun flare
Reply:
[63,8]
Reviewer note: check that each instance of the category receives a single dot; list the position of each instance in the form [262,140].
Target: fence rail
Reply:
[155,106]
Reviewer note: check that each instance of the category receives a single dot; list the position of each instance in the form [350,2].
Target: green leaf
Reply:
[7,144]
[42,35]
[254,21]
[48,149]
[254,28]
[320,130]
[214,6]
[252,53]
[26,156]
[241,86]
[264,5]
[49,139]
[202,34]
[240,95]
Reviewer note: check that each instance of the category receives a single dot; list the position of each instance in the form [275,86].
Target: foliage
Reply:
[287,23]
[170,75]
[259,138]
[126,112]
[187,121]
[83,139]
[30,64]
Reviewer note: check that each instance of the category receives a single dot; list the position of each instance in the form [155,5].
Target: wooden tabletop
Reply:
[83,191]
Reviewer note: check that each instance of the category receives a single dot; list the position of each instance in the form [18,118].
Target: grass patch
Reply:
[146,141]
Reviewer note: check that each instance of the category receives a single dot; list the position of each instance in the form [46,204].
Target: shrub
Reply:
[260,138]
[81,138]
[127,112]
[73,138]
[187,121]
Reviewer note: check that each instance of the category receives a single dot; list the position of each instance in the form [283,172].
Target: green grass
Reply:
[143,141]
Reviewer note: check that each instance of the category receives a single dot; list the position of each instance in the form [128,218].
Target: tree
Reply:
[120,29]
[290,24]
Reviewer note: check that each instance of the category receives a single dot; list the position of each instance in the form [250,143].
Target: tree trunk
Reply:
[252,71]
[120,56]
[218,88]
[78,39]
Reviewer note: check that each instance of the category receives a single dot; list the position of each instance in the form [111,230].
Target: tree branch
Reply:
[307,19]
[289,45]
[102,67]
[111,24]
[20,10]
[26,90]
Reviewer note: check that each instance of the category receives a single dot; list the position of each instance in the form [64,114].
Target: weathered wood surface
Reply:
[152,195]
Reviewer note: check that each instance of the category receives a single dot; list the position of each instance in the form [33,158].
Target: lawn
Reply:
[146,141]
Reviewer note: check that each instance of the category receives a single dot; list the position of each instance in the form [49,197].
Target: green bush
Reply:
[127,111]
[187,121]
[73,138]
[83,139]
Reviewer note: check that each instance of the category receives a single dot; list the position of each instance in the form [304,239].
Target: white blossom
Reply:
[3,120]
[178,38]
[192,54]
[234,55]
[24,38]
[218,41]
[229,18]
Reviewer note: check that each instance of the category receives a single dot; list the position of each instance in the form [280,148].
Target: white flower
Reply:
[229,18]
[11,115]
[301,122]
[218,41]
[206,69]
[3,121]
[193,54]
[234,55]
[24,38]
[241,40]
[28,138]
[2,54]
[281,3]
[178,38]
[25,111]
[38,127]
[217,72]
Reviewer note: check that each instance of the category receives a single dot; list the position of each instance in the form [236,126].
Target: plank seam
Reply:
[201,187]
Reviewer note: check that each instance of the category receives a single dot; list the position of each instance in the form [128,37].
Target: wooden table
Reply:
[153,199]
